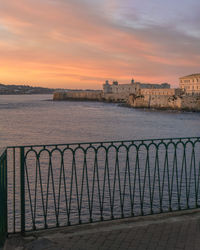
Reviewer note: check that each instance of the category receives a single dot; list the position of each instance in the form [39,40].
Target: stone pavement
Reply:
[177,230]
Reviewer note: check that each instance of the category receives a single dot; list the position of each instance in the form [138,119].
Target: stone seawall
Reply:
[78,95]
[190,103]
[90,96]
[175,102]
[118,97]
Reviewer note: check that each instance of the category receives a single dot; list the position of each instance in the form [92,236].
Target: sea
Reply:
[37,119]
[63,191]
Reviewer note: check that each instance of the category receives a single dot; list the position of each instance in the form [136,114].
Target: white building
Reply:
[190,84]
[131,88]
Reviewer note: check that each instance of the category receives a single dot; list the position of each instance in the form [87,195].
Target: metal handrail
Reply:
[68,184]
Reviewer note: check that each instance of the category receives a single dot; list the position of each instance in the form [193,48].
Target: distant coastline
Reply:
[25,90]
[14,89]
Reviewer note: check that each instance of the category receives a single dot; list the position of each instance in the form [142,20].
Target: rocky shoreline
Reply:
[176,102]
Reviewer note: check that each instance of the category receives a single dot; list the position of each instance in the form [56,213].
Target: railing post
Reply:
[6,192]
[3,198]
[22,189]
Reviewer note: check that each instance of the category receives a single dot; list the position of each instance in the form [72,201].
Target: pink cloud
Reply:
[73,43]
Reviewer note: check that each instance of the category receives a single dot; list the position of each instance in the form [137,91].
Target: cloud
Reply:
[82,43]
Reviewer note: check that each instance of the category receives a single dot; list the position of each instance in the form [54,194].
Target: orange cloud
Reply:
[73,44]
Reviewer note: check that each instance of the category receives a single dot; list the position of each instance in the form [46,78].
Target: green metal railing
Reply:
[3,196]
[59,185]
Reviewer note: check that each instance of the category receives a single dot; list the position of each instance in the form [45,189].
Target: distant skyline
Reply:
[81,43]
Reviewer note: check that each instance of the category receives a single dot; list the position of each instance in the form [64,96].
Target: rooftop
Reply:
[192,75]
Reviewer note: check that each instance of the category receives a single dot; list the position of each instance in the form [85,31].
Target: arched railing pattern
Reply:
[70,184]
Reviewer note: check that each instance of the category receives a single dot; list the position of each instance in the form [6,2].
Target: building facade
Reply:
[116,88]
[190,84]
[131,88]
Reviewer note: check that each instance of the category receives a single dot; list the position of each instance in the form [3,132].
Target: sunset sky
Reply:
[81,43]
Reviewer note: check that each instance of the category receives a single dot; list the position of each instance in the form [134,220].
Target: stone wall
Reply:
[90,96]
[120,97]
[78,95]
[176,102]
[189,103]
[160,92]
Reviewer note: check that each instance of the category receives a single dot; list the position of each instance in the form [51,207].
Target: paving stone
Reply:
[177,234]
[41,244]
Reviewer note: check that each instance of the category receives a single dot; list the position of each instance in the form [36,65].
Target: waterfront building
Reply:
[131,88]
[116,88]
[190,84]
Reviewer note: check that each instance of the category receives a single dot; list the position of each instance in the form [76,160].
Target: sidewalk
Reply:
[177,230]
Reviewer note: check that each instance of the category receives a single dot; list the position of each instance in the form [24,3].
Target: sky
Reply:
[82,43]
